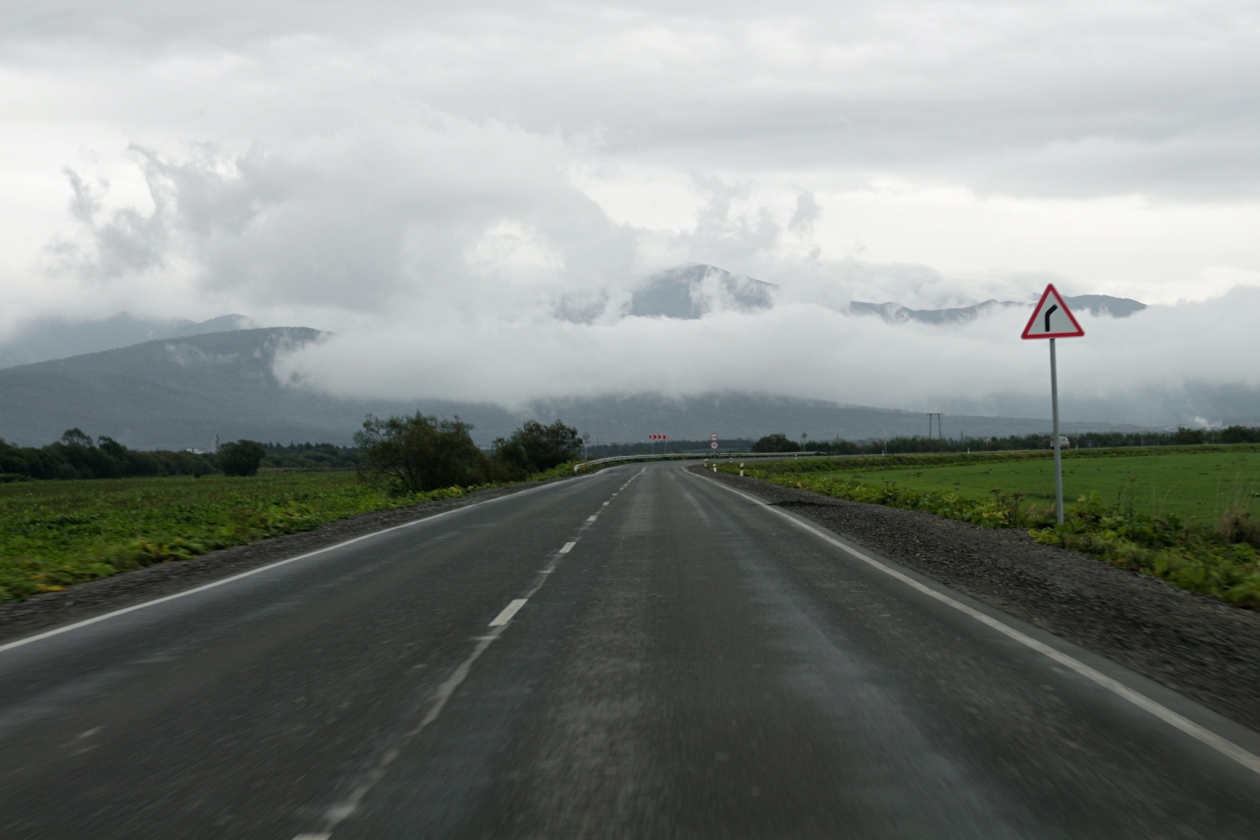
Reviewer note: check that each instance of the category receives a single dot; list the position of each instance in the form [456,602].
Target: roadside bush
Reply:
[240,457]
[535,448]
[1221,564]
[1239,527]
[418,453]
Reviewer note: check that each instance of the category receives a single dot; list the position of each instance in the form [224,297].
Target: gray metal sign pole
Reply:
[1058,458]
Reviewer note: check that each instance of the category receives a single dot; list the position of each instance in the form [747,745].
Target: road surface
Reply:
[638,653]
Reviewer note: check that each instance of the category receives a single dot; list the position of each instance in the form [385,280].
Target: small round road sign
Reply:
[713,444]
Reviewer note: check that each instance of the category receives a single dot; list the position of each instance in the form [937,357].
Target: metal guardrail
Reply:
[692,456]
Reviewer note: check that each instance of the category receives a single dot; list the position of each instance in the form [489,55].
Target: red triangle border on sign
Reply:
[1037,311]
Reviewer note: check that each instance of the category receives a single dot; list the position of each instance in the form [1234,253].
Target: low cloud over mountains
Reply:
[502,203]
[699,329]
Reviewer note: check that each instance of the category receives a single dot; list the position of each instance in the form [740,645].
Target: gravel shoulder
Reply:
[1199,647]
[21,618]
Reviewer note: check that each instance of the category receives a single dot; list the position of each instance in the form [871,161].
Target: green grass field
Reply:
[57,533]
[1196,487]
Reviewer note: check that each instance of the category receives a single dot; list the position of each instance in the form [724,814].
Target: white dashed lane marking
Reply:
[510,610]
[438,700]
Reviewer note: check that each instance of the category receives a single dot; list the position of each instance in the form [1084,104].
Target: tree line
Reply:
[420,453]
[1086,440]
[77,455]
[411,454]
[310,456]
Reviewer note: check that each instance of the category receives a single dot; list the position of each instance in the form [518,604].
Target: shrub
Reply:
[1239,527]
[418,453]
[776,443]
[535,448]
[240,457]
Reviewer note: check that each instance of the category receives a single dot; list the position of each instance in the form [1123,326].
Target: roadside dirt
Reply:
[20,618]
[1195,645]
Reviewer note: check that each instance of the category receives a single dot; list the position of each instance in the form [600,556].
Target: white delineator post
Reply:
[1052,319]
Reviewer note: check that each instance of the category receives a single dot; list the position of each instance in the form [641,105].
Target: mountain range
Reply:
[178,383]
[52,338]
[692,291]
[181,392]
[1096,305]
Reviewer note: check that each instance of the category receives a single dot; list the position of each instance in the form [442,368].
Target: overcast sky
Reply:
[436,182]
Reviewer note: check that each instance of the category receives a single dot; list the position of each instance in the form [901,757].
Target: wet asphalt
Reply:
[687,662]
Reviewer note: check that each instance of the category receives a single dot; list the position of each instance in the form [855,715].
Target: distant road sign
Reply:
[713,444]
[1052,318]
[713,437]
[658,437]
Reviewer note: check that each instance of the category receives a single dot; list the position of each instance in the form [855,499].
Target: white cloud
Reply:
[801,348]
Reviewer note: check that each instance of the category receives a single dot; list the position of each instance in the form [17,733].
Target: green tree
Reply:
[420,453]
[534,448]
[77,437]
[112,448]
[1240,434]
[1185,436]
[240,457]
[776,443]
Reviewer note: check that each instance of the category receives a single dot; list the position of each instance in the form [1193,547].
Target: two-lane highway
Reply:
[638,653]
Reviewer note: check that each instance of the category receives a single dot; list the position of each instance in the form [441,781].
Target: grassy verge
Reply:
[1196,530]
[54,534]
[1196,486]
[57,533]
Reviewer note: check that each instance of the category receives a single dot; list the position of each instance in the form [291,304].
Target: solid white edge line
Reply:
[134,607]
[509,611]
[1189,727]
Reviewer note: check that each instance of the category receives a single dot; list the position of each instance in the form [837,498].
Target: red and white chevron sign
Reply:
[658,437]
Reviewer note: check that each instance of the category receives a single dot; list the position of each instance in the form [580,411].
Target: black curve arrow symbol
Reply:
[1049,312]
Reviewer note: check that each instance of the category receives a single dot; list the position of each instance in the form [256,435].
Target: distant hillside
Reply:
[692,291]
[1096,305]
[57,339]
[177,393]
[174,393]
[743,415]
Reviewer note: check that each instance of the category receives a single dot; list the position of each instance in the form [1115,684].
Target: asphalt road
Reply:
[640,653]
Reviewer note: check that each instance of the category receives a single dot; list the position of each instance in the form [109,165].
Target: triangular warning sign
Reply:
[1052,318]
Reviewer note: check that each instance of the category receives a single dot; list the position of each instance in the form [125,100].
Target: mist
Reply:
[1117,372]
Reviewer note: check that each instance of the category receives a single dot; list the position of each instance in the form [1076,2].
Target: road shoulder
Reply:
[1196,646]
